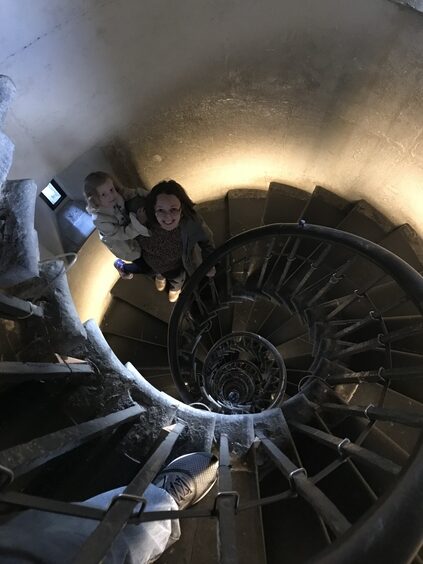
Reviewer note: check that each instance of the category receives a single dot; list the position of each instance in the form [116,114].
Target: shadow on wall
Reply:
[67,227]
[74,224]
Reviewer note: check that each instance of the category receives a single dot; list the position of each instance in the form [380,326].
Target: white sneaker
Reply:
[189,478]
[160,282]
[174,295]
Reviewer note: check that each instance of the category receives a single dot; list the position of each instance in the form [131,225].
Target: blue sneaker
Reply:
[189,478]
[120,267]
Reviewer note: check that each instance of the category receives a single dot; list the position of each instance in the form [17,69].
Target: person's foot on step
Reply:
[174,294]
[189,478]
[160,282]
[120,267]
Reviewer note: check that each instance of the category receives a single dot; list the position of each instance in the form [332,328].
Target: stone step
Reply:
[245,209]
[137,351]
[215,213]
[124,318]
[141,293]
[367,222]
[325,208]
[284,203]
[406,437]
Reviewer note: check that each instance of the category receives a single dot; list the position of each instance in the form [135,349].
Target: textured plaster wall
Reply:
[224,93]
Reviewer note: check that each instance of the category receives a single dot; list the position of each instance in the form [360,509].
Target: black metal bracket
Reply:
[7,478]
[227,494]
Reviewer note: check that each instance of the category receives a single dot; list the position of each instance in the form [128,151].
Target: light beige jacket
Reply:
[118,230]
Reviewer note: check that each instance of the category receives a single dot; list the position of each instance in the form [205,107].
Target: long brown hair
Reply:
[171,188]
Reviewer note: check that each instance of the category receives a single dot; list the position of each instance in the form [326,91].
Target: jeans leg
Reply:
[176,278]
[38,536]
[144,543]
[138,266]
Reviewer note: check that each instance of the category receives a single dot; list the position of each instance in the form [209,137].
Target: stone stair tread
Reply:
[241,315]
[362,273]
[245,208]
[284,203]
[405,437]
[259,313]
[249,526]
[404,242]
[140,292]
[214,213]
[365,221]
[325,208]
[160,381]
[274,320]
[290,329]
[380,443]
[389,292]
[122,317]
[198,542]
[297,347]
[139,353]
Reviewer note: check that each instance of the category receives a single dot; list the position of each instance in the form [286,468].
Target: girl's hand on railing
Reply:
[211,272]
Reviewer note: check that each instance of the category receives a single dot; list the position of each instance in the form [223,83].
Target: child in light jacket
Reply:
[118,214]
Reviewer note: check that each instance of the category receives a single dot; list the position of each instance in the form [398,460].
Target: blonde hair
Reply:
[93,181]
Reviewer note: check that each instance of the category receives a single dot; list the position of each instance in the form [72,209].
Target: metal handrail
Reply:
[399,510]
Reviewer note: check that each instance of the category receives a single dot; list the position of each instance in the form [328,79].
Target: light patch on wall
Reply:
[247,166]
[92,278]
[409,188]
[398,194]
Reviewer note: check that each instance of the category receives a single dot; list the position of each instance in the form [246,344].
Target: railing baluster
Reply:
[15,308]
[346,447]
[297,477]
[381,375]
[226,504]
[380,340]
[266,262]
[24,458]
[372,316]
[289,262]
[313,266]
[333,280]
[349,462]
[376,413]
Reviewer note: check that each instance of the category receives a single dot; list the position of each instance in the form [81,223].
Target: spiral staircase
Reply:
[299,364]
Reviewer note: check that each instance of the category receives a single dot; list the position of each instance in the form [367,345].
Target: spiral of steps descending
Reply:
[302,360]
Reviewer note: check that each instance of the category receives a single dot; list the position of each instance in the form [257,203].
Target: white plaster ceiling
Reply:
[224,93]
